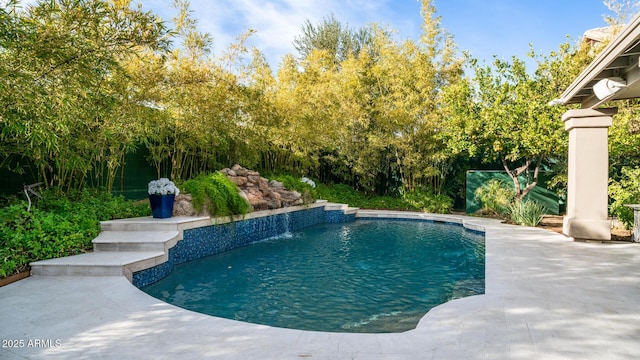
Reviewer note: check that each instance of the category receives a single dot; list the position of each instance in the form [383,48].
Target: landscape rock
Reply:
[263,184]
[261,193]
[239,170]
[183,205]
[276,184]
[238,180]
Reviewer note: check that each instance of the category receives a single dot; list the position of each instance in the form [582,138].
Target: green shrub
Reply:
[428,202]
[92,203]
[495,197]
[57,225]
[526,212]
[624,191]
[341,193]
[414,201]
[220,196]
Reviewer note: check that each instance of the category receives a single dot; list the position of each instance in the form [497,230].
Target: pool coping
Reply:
[546,297]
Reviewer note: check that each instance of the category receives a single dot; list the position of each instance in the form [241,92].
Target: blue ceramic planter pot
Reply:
[161,205]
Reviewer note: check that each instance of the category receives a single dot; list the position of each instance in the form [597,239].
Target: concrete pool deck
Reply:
[547,297]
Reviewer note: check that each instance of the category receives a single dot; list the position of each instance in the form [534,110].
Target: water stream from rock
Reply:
[287,232]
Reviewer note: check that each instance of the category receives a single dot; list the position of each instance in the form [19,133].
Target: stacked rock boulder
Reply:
[183,206]
[261,193]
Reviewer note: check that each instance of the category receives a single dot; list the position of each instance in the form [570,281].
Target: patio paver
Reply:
[546,298]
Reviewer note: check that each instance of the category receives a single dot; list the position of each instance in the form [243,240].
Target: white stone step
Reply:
[148,223]
[351,210]
[335,206]
[135,240]
[102,263]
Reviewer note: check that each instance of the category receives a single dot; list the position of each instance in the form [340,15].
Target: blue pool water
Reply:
[372,276]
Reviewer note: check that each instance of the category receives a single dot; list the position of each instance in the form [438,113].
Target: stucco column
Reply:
[587,199]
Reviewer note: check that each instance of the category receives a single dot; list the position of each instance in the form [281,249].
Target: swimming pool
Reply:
[371,276]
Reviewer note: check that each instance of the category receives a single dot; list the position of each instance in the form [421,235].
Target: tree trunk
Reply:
[513,174]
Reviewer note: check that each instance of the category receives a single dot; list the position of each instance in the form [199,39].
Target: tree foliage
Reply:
[503,114]
[60,84]
[338,40]
[372,117]
[85,82]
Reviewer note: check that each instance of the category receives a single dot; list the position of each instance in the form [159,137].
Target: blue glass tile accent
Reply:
[214,239]
[337,216]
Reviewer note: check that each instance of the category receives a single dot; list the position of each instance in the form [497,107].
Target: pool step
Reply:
[351,210]
[135,240]
[122,248]
[175,223]
[345,208]
[102,263]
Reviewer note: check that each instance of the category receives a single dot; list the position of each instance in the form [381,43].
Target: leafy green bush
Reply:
[526,212]
[427,202]
[341,193]
[626,190]
[495,197]
[57,225]
[217,193]
[98,204]
[415,201]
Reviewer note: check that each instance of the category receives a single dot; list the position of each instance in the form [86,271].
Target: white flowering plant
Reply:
[306,180]
[163,186]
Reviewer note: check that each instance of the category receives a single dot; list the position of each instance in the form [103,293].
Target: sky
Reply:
[485,28]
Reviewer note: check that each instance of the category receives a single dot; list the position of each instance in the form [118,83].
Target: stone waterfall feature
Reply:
[261,193]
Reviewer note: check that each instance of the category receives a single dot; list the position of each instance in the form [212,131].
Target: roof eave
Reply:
[615,48]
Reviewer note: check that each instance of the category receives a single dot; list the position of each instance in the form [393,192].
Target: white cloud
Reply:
[277,22]
[502,27]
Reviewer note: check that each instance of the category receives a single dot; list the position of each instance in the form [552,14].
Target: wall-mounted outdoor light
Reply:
[607,87]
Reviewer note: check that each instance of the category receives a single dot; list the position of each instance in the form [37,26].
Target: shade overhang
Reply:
[618,60]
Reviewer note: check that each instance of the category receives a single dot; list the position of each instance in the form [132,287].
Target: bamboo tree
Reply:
[57,96]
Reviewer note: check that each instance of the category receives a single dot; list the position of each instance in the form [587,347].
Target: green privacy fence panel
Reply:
[131,181]
[540,194]
[12,183]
